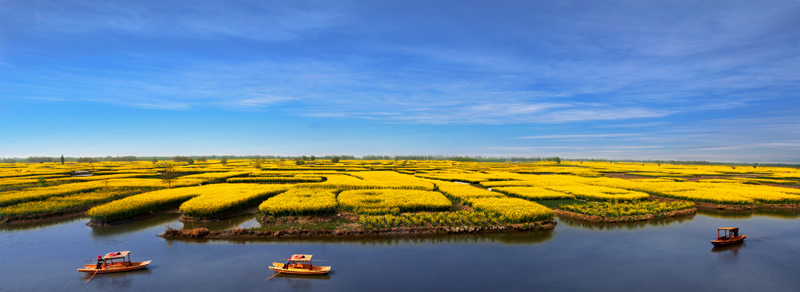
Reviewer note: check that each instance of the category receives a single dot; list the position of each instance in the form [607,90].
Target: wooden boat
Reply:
[299,264]
[729,236]
[115,262]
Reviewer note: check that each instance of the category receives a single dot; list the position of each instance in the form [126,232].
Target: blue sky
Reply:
[683,80]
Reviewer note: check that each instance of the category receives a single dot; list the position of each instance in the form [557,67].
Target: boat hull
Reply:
[116,268]
[315,270]
[727,242]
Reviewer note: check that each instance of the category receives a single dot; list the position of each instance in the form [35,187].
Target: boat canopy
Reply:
[301,258]
[116,255]
[728,228]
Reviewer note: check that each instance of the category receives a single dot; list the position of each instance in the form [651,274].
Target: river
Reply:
[668,255]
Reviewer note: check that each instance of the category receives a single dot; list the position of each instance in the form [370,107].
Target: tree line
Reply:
[302,159]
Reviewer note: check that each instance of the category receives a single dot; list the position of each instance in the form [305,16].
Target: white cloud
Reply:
[582,136]
[260,20]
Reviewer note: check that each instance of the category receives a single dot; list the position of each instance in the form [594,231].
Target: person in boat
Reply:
[286,266]
[100,262]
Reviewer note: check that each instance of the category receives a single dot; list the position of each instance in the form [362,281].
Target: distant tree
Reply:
[180,158]
[168,174]
[257,162]
[155,160]
[299,162]
[755,165]
[62,159]
[335,159]
[202,159]
[121,158]
[224,161]
[39,159]
[305,158]
[85,160]
[313,158]
[557,159]
[190,161]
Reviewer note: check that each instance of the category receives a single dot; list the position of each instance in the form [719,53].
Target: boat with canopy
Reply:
[115,262]
[728,236]
[299,264]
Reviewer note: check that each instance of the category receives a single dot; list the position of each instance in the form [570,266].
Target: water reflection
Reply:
[509,238]
[138,225]
[223,224]
[728,253]
[299,283]
[781,214]
[114,281]
[623,225]
[324,277]
[40,224]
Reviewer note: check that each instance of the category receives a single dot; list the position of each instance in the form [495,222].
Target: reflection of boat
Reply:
[734,249]
[293,277]
[729,236]
[115,262]
[299,264]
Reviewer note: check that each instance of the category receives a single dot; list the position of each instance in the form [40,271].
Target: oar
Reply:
[95,273]
[274,275]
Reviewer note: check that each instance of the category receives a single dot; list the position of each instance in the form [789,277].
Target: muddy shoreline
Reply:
[241,233]
[43,218]
[734,208]
[594,218]
[93,223]
[246,211]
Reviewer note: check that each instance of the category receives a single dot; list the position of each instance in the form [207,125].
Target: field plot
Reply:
[386,193]
[65,203]
[392,201]
[512,209]
[218,199]
[142,203]
[300,201]
[534,193]
[276,179]
[610,209]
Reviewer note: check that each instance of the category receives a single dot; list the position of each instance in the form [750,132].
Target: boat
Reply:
[299,264]
[729,236]
[115,262]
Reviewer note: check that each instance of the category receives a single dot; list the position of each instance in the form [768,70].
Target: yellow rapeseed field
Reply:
[361,201]
[300,201]
[217,199]
[383,186]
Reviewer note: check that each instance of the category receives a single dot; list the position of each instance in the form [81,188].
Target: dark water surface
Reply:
[670,255]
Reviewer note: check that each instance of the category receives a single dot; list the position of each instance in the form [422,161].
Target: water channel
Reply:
[667,255]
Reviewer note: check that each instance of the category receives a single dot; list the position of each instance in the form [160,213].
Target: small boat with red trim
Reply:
[728,236]
[114,262]
[299,264]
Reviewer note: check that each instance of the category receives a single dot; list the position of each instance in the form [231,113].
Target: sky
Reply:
[659,80]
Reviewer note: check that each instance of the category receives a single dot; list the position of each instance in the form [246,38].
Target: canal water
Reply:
[669,255]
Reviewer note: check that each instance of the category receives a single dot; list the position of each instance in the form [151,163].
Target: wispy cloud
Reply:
[259,20]
[582,136]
